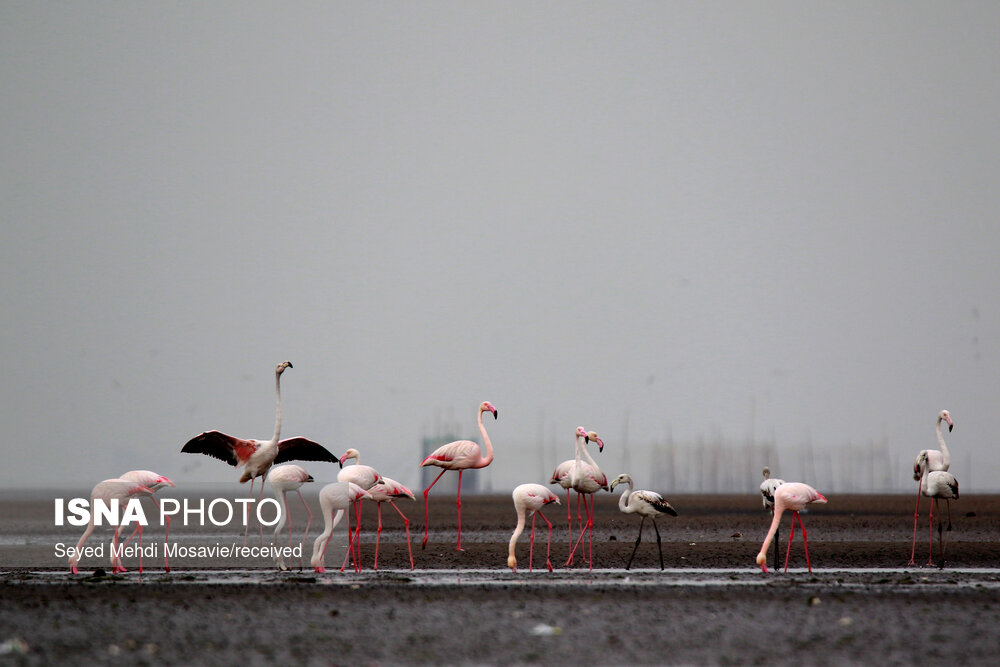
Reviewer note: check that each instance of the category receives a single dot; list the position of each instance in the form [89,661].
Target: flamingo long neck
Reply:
[623,501]
[517,533]
[945,456]
[575,475]
[586,455]
[488,459]
[778,511]
[277,408]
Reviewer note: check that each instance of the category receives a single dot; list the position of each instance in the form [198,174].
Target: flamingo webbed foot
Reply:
[319,570]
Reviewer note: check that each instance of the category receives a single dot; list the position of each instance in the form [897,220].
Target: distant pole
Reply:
[625,453]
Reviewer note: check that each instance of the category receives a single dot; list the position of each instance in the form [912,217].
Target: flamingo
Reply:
[587,479]
[389,491]
[285,478]
[930,460]
[459,455]
[645,504]
[938,485]
[109,490]
[365,477]
[154,482]
[789,496]
[563,476]
[257,456]
[334,500]
[767,488]
[530,498]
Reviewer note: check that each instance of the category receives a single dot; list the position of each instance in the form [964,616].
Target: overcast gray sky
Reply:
[719,218]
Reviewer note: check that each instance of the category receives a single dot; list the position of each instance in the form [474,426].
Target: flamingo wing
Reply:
[655,501]
[302,449]
[453,452]
[232,450]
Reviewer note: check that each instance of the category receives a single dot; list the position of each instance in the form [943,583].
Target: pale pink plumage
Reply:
[459,455]
[108,491]
[529,499]
[285,478]
[792,496]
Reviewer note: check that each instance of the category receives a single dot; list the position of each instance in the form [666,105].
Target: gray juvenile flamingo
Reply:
[645,504]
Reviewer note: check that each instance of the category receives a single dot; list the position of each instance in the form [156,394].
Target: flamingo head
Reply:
[919,464]
[946,416]
[349,454]
[820,499]
[591,436]
[160,482]
[512,563]
[581,432]
[767,472]
[623,478]
[762,562]
[280,368]
[486,406]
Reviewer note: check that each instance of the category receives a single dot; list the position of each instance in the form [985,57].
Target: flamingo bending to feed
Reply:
[108,491]
[938,485]
[792,496]
[767,488]
[529,499]
[645,504]
[154,482]
[459,455]
[334,501]
[587,479]
[389,491]
[929,460]
[365,477]
[285,478]
[563,476]
[257,456]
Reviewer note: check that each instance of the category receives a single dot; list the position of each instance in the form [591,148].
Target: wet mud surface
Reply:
[711,606]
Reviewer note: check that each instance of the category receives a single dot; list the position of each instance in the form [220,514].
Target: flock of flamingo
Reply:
[357,482]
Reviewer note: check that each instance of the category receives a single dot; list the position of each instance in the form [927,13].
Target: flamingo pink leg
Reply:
[791,536]
[916,513]
[458,504]
[583,533]
[308,523]
[350,543]
[805,539]
[531,547]
[426,491]
[569,520]
[378,534]
[406,522]
[548,544]
[930,534]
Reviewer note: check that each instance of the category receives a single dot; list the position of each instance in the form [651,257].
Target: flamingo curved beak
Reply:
[341,460]
[163,480]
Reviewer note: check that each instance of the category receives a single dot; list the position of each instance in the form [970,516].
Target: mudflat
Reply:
[862,604]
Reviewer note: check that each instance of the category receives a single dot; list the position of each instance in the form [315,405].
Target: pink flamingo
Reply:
[563,476]
[587,479]
[459,455]
[285,478]
[257,456]
[530,498]
[365,477]
[334,500]
[929,460]
[389,491]
[154,482]
[938,485]
[108,491]
[789,496]
[645,504]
